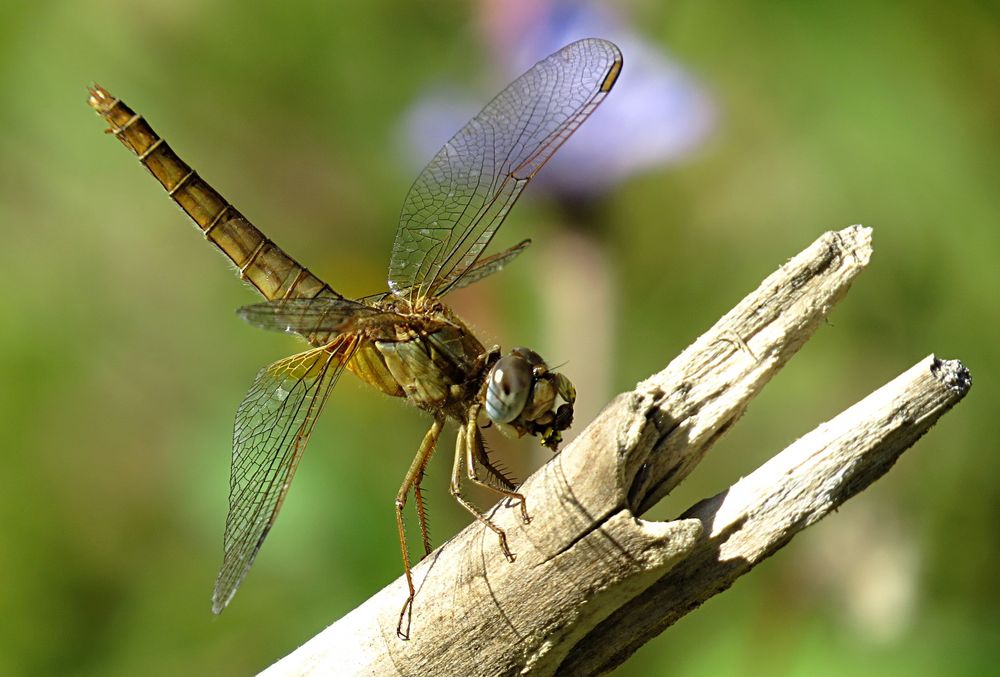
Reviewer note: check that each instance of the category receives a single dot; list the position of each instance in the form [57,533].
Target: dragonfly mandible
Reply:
[404,341]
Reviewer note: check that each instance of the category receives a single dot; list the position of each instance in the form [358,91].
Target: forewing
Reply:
[310,316]
[273,424]
[461,198]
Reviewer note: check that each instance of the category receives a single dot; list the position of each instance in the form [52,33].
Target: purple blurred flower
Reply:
[657,114]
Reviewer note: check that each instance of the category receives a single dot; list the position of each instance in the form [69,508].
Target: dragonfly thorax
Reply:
[435,360]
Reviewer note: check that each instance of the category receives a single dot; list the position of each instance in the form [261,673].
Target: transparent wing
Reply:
[273,424]
[461,198]
[312,316]
[480,269]
[477,271]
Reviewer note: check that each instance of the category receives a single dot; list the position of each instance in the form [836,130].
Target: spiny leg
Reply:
[495,476]
[412,481]
[474,452]
[456,487]
[418,500]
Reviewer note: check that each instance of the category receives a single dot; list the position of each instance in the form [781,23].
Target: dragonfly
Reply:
[404,341]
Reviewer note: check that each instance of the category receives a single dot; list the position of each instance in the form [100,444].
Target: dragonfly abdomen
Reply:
[275,274]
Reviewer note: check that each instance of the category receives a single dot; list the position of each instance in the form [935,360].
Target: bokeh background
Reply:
[122,362]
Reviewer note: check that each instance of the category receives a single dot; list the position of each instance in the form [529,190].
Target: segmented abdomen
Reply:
[270,270]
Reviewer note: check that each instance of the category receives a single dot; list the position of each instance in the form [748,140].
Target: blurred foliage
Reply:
[121,361]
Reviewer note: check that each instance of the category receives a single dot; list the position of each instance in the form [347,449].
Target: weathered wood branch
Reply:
[760,513]
[592,582]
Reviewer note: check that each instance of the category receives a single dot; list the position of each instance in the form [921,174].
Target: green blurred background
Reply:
[122,362]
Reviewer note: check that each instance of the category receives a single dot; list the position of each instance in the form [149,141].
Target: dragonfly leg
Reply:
[495,476]
[418,500]
[412,481]
[456,485]
[475,453]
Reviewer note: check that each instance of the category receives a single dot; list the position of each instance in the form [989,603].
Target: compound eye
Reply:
[508,388]
[533,358]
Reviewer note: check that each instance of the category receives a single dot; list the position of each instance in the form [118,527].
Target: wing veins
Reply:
[507,175]
[267,452]
[473,182]
[263,470]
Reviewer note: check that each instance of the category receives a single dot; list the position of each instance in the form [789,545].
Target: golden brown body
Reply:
[404,342]
[263,264]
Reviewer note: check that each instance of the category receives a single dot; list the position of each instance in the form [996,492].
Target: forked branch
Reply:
[592,582]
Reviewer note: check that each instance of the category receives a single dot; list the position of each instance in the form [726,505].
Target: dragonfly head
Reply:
[521,396]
